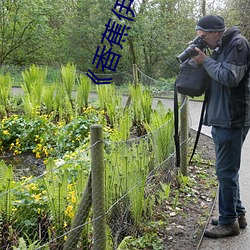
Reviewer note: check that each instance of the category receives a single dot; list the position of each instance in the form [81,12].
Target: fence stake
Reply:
[184,135]
[80,218]
[98,195]
[135,74]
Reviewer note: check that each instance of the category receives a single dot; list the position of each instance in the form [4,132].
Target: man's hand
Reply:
[200,58]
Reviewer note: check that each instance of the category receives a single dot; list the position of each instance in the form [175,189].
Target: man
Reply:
[228,112]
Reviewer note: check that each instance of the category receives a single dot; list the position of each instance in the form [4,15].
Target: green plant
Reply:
[34,81]
[111,103]
[68,74]
[164,191]
[176,199]
[5,90]
[184,181]
[161,128]
[30,208]
[29,244]
[123,124]
[56,187]
[48,98]
[23,134]
[126,172]
[147,241]
[6,196]
[45,138]
[83,91]
[141,103]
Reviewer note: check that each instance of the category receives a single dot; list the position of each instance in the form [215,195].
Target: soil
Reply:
[25,164]
[186,223]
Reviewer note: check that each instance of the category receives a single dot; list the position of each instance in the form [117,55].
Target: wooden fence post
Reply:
[80,218]
[184,135]
[98,194]
[135,74]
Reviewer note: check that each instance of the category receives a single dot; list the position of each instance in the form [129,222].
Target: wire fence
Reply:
[56,210]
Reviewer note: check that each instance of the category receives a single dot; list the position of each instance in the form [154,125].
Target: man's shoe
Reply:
[221,231]
[241,219]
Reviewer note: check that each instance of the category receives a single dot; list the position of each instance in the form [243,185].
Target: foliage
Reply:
[22,245]
[236,13]
[51,200]
[22,23]
[6,184]
[110,102]
[52,32]
[141,99]
[30,204]
[147,241]
[5,90]
[83,91]
[161,126]
[46,205]
[34,81]
[44,138]
[68,73]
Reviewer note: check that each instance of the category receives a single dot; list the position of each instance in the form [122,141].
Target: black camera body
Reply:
[190,51]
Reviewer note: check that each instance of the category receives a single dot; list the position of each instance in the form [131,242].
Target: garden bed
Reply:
[178,222]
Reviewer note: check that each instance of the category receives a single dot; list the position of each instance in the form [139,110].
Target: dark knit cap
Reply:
[211,23]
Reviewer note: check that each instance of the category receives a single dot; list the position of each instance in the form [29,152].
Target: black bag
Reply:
[192,80]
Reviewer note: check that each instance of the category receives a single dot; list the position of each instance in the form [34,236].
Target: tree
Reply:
[21,21]
[237,12]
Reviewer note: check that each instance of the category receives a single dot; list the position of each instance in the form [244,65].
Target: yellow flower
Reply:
[73,199]
[38,156]
[102,112]
[17,152]
[6,132]
[69,211]
[14,209]
[31,187]
[45,151]
[37,196]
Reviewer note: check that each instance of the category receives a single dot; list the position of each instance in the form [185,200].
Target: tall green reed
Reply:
[141,105]
[83,91]
[33,86]
[62,106]
[48,98]
[5,90]
[126,172]
[68,74]
[110,101]
[6,184]
[56,184]
[161,132]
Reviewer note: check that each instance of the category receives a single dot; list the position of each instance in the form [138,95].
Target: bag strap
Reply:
[176,126]
[199,127]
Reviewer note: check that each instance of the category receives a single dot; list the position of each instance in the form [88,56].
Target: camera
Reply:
[190,51]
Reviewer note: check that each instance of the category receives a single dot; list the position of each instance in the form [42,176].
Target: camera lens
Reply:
[187,53]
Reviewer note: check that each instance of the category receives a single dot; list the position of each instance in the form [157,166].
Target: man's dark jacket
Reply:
[229,90]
